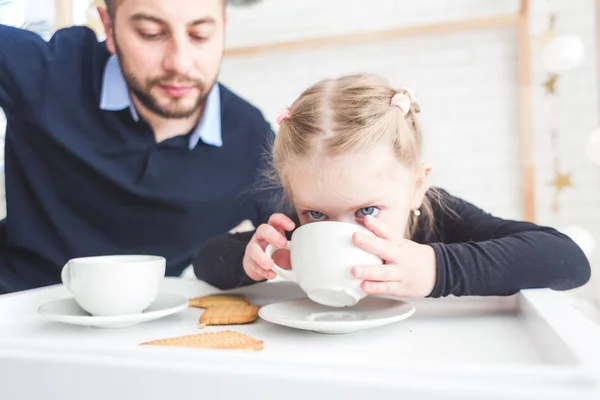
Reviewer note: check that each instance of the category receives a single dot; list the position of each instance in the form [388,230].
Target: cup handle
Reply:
[278,270]
[64,276]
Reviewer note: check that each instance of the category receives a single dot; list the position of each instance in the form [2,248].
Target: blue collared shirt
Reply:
[115,97]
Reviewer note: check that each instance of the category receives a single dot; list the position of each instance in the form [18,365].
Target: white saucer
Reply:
[305,314]
[69,312]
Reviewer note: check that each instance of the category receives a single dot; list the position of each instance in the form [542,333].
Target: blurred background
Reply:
[508,89]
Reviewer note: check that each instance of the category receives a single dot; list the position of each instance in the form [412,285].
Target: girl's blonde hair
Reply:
[351,113]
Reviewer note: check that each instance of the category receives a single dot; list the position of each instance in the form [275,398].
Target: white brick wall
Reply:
[574,114]
[465,82]
[465,88]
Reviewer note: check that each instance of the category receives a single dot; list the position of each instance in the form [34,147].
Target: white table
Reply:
[530,346]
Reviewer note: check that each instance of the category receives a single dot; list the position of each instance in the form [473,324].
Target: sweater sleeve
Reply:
[479,254]
[219,262]
[24,57]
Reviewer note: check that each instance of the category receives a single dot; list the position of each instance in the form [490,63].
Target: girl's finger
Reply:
[383,248]
[255,253]
[281,222]
[253,270]
[396,289]
[379,273]
[378,227]
[264,274]
[267,234]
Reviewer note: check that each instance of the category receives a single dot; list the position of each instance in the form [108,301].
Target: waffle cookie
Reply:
[218,300]
[212,340]
[230,314]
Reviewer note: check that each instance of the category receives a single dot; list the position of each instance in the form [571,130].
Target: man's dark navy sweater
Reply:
[81,181]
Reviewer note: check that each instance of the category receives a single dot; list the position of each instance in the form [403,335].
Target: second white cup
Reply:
[114,285]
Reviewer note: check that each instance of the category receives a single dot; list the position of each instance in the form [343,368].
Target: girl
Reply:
[349,149]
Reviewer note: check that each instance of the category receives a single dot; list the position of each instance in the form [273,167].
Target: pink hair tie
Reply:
[403,99]
[283,115]
[410,93]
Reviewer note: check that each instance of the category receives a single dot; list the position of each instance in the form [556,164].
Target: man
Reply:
[125,146]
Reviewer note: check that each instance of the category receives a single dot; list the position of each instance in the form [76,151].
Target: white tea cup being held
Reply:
[114,285]
[322,255]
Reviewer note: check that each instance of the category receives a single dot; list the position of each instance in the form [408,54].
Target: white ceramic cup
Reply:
[322,255]
[114,285]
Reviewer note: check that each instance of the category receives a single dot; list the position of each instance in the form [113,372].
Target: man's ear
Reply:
[421,184]
[108,29]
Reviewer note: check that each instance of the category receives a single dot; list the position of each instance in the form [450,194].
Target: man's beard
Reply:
[142,91]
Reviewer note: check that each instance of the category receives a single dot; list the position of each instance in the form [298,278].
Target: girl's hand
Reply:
[409,268]
[257,265]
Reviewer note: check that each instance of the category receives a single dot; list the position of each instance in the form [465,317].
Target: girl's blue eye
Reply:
[316,215]
[363,212]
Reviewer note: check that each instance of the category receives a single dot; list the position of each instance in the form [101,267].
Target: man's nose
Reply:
[179,55]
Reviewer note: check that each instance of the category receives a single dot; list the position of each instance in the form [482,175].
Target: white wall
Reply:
[465,83]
